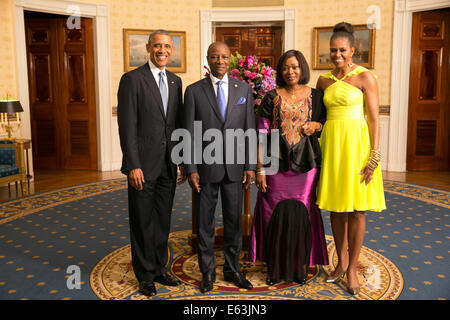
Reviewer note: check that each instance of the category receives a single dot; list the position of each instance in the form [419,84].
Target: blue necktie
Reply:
[221,99]
[163,90]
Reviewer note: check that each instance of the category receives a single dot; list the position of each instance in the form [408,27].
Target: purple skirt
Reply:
[285,186]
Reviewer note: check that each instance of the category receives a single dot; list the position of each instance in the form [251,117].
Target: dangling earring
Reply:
[351,63]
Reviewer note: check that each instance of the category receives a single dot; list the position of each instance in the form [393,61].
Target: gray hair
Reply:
[154,33]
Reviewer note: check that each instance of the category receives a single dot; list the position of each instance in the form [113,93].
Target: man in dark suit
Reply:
[219,103]
[149,109]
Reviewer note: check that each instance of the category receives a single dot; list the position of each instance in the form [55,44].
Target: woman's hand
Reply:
[368,174]
[261,182]
[310,127]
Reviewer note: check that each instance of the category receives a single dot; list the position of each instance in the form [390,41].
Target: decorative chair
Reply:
[12,164]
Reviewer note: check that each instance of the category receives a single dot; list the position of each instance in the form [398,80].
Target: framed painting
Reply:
[364,45]
[135,51]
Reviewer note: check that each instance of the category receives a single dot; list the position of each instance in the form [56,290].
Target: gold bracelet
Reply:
[372,166]
[374,159]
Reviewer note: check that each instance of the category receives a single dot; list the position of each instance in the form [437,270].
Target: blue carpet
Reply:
[42,235]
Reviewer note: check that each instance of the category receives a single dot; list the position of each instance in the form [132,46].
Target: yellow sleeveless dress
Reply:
[345,144]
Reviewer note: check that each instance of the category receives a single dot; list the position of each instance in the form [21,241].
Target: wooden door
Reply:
[429,114]
[62,93]
[263,42]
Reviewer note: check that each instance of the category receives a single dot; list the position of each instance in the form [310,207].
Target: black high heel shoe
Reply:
[270,282]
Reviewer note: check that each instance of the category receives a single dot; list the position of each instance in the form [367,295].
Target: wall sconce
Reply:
[7,107]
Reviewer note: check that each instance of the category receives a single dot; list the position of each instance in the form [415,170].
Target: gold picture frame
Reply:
[364,44]
[135,52]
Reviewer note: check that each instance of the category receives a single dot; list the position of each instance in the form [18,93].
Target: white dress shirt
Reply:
[155,71]
[224,85]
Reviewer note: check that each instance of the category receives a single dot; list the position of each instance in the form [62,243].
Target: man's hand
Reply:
[249,178]
[181,174]
[136,178]
[194,181]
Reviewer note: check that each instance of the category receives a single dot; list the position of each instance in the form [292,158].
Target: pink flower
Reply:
[207,71]
[234,73]
[268,72]
[250,61]
[258,76]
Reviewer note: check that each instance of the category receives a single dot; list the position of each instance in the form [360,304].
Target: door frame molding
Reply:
[100,15]
[401,61]
[208,17]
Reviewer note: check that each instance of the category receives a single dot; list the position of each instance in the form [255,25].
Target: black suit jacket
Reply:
[200,104]
[143,128]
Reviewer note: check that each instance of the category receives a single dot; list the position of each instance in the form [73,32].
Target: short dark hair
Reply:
[154,33]
[304,68]
[344,30]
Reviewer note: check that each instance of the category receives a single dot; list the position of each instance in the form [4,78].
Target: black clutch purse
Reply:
[302,155]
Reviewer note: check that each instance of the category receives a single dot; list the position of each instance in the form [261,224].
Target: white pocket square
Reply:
[241,100]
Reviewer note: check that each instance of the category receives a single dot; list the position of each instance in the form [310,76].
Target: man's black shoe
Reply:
[147,288]
[238,279]
[207,282]
[167,280]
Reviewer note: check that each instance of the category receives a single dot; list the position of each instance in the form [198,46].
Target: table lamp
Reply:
[6,107]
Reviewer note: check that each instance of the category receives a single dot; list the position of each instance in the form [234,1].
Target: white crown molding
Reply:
[59,6]
[100,15]
[423,5]
[208,17]
[248,14]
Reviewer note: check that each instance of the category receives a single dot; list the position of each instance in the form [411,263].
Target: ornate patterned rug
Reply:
[112,278]
[50,239]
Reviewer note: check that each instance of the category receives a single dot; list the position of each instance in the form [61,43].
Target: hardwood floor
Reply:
[433,179]
[46,180]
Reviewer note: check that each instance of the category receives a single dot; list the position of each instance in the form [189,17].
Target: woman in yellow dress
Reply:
[350,181]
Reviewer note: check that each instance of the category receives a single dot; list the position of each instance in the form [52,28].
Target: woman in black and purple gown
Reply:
[287,231]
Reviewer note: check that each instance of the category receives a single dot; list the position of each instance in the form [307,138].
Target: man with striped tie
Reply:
[219,104]
[149,110]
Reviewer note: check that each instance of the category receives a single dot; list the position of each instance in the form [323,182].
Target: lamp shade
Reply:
[10,106]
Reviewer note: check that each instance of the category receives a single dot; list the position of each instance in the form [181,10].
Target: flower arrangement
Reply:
[253,71]
[249,69]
